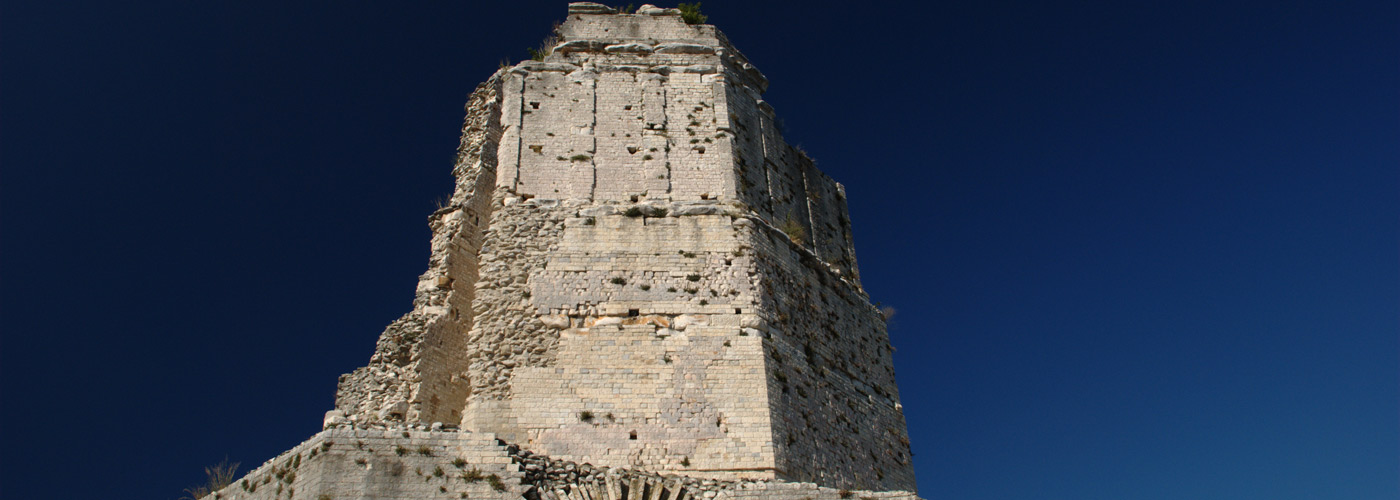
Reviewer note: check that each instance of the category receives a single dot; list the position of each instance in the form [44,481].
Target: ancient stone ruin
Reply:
[637,291]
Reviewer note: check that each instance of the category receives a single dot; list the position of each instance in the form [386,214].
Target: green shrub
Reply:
[690,13]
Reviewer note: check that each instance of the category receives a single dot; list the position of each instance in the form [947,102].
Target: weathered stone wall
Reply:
[653,369]
[636,270]
[418,371]
[620,117]
[345,463]
[838,420]
[387,462]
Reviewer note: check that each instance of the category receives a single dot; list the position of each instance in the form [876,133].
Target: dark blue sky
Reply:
[1143,250]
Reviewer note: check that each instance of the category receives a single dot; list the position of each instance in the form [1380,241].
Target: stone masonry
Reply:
[637,285]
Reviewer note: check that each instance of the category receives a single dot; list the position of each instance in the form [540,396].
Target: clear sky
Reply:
[1144,250]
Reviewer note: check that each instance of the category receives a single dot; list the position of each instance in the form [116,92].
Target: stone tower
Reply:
[637,272]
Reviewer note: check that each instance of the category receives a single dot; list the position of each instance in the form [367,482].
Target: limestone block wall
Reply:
[831,380]
[782,185]
[637,321]
[348,463]
[417,372]
[633,124]
[387,462]
[636,270]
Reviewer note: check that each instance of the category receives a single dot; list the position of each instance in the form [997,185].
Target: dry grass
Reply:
[220,476]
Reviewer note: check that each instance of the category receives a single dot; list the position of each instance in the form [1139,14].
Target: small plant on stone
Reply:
[585,416]
[794,230]
[688,255]
[495,482]
[361,461]
[685,462]
[845,493]
[691,290]
[459,462]
[590,221]
[644,287]
[425,451]
[660,212]
[646,157]
[633,212]
[473,475]
[619,281]
[400,450]
[671,289]
[546,47]
[704,302]
[437,471]
[693,277]
[580,157]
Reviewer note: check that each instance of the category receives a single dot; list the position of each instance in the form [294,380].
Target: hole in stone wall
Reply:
[632,435]
[627,108]
[738,311]
[534,105]
[634,312]
[705,196]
